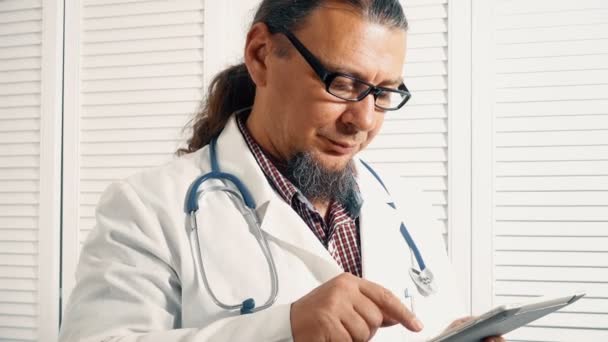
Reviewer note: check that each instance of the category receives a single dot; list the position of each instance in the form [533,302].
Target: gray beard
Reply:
[319,184]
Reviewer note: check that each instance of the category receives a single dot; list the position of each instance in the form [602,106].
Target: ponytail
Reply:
[229,91]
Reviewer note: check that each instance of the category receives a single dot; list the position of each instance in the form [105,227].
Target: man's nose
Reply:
[362,114]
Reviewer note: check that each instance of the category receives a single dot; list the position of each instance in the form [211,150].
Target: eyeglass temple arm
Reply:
[314,63]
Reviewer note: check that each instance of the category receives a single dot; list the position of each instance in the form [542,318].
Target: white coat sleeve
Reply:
[127,288]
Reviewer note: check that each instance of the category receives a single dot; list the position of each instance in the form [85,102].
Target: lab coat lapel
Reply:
[283,223]
[383,250]
[279,220]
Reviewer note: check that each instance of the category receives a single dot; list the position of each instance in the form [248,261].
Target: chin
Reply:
[334,163]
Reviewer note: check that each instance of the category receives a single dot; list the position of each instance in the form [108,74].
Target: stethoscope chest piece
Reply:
[424,280]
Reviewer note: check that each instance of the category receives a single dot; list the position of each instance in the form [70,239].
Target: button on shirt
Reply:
[340,234]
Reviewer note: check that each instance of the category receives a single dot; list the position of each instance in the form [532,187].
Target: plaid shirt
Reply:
[340,235]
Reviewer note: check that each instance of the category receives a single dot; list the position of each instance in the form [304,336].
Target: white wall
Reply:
[506,130]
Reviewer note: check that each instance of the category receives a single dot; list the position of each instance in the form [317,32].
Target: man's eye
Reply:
[343,85]
[384,95]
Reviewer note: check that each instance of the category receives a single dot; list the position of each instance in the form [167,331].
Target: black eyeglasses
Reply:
[349,88]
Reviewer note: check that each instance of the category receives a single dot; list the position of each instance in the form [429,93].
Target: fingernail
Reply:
[417,324]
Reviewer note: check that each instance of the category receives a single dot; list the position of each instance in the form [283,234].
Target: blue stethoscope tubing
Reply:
[423,278]
[243,196]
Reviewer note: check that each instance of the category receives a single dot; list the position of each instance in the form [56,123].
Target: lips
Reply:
[341,148]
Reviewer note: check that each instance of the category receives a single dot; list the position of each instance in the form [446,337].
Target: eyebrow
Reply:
[343,70]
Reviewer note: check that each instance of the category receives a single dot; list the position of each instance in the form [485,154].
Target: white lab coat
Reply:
[138,281]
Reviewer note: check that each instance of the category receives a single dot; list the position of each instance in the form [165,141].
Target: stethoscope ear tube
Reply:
[248,305]
[246,206]
[195,240]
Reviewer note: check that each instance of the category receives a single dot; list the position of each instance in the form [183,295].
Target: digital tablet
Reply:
[504,319]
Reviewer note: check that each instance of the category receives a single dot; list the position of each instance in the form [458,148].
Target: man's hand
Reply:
[348,308]
[463,320]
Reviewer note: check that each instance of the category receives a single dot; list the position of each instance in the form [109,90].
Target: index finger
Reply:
[389,304]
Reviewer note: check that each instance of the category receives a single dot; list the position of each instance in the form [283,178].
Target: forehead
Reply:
[343,39]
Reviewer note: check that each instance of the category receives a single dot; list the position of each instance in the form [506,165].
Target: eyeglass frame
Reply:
[327,76]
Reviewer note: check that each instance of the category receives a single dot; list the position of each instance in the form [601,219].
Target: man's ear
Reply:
[257,50]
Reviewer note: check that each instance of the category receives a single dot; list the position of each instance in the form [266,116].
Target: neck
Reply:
[322,207]
[258,129]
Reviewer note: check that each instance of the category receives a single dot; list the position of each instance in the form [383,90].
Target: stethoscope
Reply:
[423,278]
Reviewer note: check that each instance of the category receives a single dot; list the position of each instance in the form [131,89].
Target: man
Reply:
[318,78]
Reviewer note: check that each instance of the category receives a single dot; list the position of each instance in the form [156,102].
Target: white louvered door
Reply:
[134,77]
[548,163]
[30,165]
